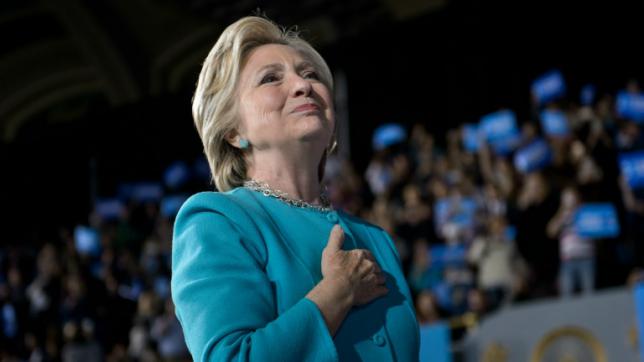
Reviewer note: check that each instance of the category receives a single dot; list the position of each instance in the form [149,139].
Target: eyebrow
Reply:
[278,66]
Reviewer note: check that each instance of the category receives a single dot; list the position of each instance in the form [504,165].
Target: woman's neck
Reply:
[296,176]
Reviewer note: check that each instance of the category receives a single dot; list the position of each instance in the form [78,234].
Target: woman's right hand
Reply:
[356,270]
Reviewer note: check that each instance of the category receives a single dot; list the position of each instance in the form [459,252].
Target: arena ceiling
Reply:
[60,58]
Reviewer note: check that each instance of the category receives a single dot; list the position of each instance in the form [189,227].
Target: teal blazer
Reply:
[242,264]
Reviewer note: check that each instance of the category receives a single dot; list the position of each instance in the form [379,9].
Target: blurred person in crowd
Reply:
[35,351]
[74,304]
[491,201]
[260,273]
[44,292]
[577,253]
[424,272]
[382,214]
[414,216]
[497,171]
[167,333]
[440,167]
[79,343]
[428,310]
[437,188]
[588,174]
[378,173]
[456,223]
[528,133]
[116,315]
[139,339]
[461,162]
[633,200]
[499,267]
[346,188]
[422,146]
[478,304]
[504,177]
[9,328]
[535,205]
[401,174]
[635,277]
[629,137]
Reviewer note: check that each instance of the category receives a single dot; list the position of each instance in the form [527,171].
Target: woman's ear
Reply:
[232,138]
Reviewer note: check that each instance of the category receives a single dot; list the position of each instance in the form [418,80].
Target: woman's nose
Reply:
[300,86]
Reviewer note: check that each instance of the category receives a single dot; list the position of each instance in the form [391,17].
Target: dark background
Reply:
[103,87]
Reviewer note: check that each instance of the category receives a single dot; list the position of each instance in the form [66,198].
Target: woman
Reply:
[576,253]
[260,274]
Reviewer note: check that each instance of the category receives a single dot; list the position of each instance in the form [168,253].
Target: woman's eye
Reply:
[312,75]
[269,78]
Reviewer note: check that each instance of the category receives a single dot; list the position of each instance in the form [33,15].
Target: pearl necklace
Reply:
[284,197]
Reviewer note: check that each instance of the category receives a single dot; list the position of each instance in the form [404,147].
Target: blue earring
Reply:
[243,143]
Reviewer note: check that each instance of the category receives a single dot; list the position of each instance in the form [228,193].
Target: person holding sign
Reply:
[577,253]
[265,269]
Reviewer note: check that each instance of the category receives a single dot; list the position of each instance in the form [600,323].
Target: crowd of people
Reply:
[474,234]
[476,231]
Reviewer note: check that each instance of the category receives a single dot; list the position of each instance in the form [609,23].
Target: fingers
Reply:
[365,268]
[336,238]
[376,278]
[369,267]
[380,290]
[364,254]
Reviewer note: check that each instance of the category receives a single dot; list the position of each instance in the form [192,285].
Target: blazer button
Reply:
[379,340]
[332,217]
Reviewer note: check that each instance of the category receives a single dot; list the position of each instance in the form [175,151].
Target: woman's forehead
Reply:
[274,55]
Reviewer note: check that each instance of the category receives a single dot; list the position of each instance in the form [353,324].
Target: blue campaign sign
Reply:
[170,205]
[555,123]
[510,233]
[630,105]
[596,221]
[444,255]
[500,131]
[587,94]
[387,135]
[549,87]
[87,241]
[533,157]
[109,209]
[435,343]
[632,167]
[176,175]
[455,210]
[471,137]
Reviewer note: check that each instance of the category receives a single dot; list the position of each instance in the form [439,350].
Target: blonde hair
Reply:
[214,102]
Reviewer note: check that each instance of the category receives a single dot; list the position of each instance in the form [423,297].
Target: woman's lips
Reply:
[306,108]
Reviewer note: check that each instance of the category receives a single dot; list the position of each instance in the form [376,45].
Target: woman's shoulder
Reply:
[229,211]
[216,200]
[233,204]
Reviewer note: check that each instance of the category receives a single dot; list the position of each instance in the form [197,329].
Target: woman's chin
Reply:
[311,129]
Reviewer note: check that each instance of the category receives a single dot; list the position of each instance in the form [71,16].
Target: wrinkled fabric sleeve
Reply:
[224,299]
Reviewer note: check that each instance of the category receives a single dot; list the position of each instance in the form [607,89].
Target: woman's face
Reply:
[282,100]
[569,198]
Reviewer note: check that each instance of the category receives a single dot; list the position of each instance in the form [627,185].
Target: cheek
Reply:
[328,100]
[324,93]
[269,101]
[262,102]
[260,107]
